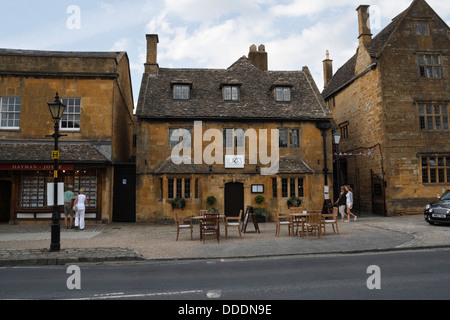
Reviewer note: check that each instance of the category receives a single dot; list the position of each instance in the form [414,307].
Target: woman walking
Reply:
[341,202]
[349,203]
[80,202]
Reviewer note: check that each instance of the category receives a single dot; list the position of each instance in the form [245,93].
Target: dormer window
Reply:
[230,93]
[181,91]
[282,94]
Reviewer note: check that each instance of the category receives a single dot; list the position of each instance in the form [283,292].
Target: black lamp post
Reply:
[337,140]
[56,110]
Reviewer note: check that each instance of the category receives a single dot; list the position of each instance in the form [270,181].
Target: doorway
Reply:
[234,198]
[378,200]
[5,201]
[124,203]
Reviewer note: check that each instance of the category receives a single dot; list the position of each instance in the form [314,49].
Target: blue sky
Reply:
[199,33]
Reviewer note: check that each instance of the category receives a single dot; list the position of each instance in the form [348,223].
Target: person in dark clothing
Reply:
[341,202]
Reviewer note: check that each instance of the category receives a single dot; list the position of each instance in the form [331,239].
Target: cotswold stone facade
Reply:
[96,87]
[391,102]
[205,111]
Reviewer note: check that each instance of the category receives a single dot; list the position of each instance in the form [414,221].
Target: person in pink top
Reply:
[80,202]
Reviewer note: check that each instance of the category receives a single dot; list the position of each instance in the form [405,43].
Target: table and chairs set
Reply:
[302,222]
[298,222]
[209,224]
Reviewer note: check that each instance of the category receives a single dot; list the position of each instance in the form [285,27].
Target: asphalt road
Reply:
[400,275]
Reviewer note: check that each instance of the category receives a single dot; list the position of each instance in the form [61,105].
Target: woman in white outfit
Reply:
[80,202]
[349,203]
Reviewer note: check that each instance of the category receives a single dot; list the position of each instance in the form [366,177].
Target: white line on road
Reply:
[121,295]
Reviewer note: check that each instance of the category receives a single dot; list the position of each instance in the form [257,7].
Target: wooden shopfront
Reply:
[24,190]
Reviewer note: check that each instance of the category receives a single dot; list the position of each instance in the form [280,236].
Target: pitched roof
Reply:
[287,165]
[346,74]
[61,63]
[206,100]
[38,152]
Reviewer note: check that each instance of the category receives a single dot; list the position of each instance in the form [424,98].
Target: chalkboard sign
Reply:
[250,214]
[327,207]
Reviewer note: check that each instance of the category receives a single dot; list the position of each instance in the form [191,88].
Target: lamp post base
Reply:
[55,244]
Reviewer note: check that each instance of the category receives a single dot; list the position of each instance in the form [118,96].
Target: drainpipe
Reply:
[324,126]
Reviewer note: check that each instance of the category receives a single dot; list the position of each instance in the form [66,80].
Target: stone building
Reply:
[232,134]
[391,103]
[96,87]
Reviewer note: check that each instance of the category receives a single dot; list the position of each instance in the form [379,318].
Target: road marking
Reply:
[121,295]
[214,294]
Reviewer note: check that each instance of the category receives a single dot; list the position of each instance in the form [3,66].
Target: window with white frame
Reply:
[230,93]
[282,94]
[72,114]
[10,108]
[181,91]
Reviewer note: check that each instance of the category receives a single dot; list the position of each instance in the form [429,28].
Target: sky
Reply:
[200,33]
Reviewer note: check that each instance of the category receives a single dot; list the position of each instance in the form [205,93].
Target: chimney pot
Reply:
[259,58]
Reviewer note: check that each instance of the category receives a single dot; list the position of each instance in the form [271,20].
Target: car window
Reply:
[446,196]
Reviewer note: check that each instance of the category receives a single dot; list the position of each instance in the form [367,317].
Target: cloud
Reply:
[208,37]
[208,10]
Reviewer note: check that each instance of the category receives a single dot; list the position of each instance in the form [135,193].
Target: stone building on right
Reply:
[391,104]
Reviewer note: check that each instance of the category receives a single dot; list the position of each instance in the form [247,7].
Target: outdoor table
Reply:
[298,215]
[198,218]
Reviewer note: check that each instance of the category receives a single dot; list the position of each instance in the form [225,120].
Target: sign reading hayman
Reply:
[35,167]
[234,161]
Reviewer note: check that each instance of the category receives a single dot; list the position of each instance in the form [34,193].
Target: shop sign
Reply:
[234,161]
[35,167]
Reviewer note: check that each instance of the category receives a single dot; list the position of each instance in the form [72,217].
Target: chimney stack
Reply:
[151,66]
[327,70]
[259,58]
[365,34]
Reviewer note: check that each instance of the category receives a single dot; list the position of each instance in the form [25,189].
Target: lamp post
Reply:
[337,140]
[56,110]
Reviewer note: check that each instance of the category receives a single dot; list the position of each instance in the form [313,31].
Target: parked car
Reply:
[439,212]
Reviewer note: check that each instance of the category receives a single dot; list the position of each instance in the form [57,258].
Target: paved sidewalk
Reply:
[28,245]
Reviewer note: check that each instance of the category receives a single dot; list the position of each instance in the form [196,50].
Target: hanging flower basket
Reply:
[294,202]
[178,203]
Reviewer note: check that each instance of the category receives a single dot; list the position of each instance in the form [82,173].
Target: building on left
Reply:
[98,123]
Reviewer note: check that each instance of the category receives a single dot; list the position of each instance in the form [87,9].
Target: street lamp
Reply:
[337,140]
[336,137]
[56,109]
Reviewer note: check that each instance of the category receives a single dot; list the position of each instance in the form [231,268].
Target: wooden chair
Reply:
[183,223]
[333,221]
[282,220]
[209,226]
[314,222]
[296,221]
[203,212]
[233,222]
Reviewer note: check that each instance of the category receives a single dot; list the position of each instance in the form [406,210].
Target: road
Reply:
[401,275]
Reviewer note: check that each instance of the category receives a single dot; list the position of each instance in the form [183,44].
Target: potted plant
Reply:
[211,200]
[178,203]
[294,202]
[260,213]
